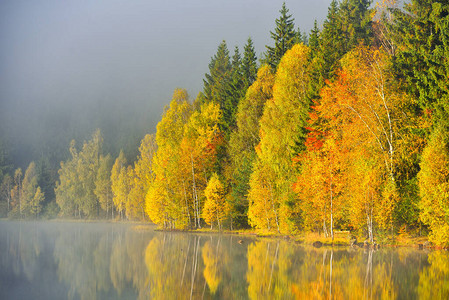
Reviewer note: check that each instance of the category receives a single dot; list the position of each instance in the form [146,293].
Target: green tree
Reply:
[88,165]
[5,164]
[422,34]
[356,20]
[103,184]
[249,63]
[5,194]
[218,77]
[314,42]
[68,185]
[75,190]
[284,37]
[332,42]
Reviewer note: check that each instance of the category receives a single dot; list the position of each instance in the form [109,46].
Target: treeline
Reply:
[344,128]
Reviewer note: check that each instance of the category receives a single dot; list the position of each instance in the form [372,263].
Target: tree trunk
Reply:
[332,216]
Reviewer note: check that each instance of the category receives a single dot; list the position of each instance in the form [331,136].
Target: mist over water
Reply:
[56,260]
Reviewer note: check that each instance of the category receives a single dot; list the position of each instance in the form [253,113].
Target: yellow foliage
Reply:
[211,270]
[215,207]
[281,131]
[434,188]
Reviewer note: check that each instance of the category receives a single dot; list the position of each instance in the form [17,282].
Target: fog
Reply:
[68,67]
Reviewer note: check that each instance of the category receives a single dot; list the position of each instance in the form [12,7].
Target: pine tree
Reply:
[284,37]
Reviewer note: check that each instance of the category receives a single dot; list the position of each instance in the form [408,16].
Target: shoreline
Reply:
[341,239]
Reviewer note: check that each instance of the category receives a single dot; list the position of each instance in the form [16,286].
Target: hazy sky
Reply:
[59,58]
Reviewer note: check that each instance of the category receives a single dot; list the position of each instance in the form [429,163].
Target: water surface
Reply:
[55,260]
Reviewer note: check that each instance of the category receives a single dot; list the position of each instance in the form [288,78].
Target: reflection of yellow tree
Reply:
[211,271]
[269,270]
[171,275]
[434,279]
[338,274]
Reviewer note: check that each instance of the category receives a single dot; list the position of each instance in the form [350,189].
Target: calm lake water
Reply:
[53,260]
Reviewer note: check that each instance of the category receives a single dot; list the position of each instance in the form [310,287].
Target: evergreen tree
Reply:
[103,184]
[219,74]
[301,37]
[356,22]
[284,37]
[316,80]
[5,165]
[249,63]
[422,34]
[235,91]
[223,84]
[5,194]
[314,42]
[332,43]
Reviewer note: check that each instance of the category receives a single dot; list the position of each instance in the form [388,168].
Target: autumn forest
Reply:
[343,128]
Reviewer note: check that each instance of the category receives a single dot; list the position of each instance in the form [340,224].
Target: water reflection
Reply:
[112,261]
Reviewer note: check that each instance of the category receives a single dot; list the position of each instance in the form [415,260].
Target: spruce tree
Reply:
[332,43]
[249,63]
[284,37]
[356,22]
[234,92]
[423,34]
[314,42]
[219,74]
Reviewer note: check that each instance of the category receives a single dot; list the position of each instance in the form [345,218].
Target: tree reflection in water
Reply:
[111,261]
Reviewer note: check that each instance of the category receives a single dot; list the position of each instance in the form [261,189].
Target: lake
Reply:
[57,260]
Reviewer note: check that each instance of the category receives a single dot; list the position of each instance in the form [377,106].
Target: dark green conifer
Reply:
[249,63]
[332,42]
[284,37]
[219,75]
[314,42]
[422,31]
[355,16]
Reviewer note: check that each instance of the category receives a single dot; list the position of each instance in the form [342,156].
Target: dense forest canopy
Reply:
[343,128]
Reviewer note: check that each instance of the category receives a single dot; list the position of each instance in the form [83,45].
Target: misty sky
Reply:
[66,63]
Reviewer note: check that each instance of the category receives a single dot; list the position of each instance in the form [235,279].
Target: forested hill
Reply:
[345,128]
